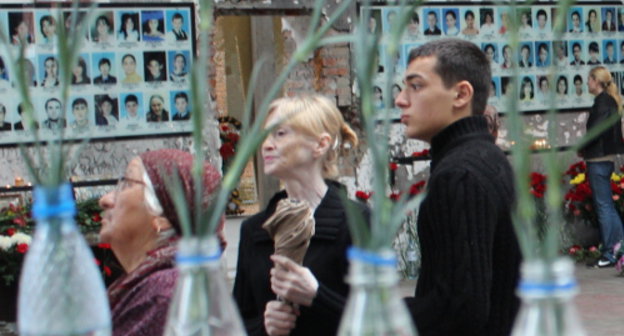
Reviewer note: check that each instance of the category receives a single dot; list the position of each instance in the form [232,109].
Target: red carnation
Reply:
[233,137]
[10,231]
[96,218]
[416,188]
[226,150]
[107,271]
[22,248]
[393,166]
[224,128]
[362,195]
[423,153]
[395,196]
[104,246]
[97,262]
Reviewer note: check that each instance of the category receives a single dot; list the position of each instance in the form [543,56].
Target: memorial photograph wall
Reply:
[594,35]
[131,78]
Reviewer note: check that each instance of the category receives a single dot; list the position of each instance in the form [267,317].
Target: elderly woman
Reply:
[142,227]
[302,152]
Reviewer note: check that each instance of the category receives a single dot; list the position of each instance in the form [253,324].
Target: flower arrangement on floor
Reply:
[578,199]
[583,255]
[16,229]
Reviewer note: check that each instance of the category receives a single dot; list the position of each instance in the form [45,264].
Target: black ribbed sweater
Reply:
[470,254]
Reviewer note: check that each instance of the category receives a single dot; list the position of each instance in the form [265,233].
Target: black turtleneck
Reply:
[470,254]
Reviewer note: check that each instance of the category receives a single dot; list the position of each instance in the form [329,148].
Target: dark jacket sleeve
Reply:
[252,318]
[608,141]
[458,284]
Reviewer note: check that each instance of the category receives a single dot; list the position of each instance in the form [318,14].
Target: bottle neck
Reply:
[198,252]
[554,279]
[372,269]
[53,202]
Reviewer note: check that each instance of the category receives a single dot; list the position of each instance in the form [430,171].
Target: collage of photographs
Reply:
[594,35]
[131,77]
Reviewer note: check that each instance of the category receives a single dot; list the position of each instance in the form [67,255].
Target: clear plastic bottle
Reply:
[61,290]
[202,304]
[374,306]
[547,291]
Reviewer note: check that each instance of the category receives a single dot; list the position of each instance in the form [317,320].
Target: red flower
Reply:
[538,184]
[233,137]
[96,218]
[104,246]
[10,231]
[393,166]
[362,195]
[416,188]
[424,152]
[107,271]
[224,128]
[226,150]
[593,249]
[19,221]
[97,262]
[574,249]
[22,248]
[395,196]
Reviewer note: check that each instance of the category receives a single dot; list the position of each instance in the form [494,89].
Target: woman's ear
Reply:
[323,145]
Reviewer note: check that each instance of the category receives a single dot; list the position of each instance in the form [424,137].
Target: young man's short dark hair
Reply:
[131,98]
[104,61]
[177,15]
[182,95]
[459,60]
[79,101]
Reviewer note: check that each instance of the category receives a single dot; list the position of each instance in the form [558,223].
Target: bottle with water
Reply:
[61,291]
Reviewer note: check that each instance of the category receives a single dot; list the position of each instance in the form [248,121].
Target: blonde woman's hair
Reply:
[603,76]
[313,115]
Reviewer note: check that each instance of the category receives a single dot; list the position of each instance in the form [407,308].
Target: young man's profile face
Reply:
[426,104]
[132,108]
[181,105]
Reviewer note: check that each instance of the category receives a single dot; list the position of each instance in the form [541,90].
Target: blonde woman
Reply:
[302,152]
[599,155]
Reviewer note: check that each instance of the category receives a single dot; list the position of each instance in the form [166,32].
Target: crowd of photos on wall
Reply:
[131,78]
[594,35]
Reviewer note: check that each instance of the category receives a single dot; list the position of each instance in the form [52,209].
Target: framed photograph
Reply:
[131,77]
[591,36]
[6,199]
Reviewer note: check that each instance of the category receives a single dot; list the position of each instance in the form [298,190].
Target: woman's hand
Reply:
[279,318]
[293,282]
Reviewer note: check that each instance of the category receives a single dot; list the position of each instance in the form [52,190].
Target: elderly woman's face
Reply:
[126,219]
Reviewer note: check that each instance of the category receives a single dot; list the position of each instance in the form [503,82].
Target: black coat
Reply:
[610,140]
[469,251]
[326,258]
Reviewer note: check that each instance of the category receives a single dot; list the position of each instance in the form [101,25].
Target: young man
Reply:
[181,105]
[80,110]
[54,110]
[470,254]
[132,109]
[177,32]
[105,76]
[432,24]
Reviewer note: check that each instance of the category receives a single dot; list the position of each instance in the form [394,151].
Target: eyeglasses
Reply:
[126,182]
